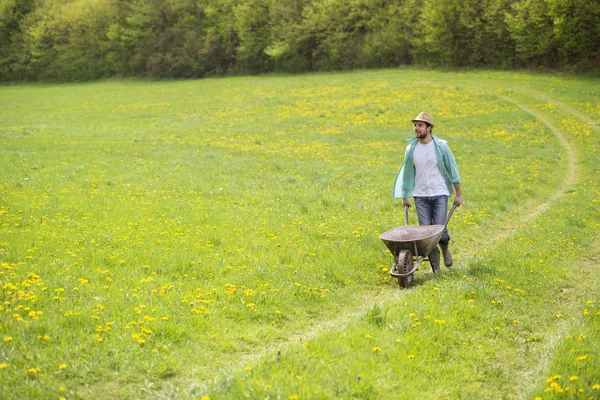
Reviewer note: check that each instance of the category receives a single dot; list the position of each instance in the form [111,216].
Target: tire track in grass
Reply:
[501,229]
[572,168]
[529,381]
[506,225]
[565,107]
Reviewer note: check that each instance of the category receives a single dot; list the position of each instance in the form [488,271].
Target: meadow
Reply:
[219,239]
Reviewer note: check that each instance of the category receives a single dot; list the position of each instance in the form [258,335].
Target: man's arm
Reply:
[458,197]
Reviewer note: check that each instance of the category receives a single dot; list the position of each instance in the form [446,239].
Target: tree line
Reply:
[74,40]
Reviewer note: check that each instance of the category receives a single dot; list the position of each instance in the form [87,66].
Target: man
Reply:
[430,175]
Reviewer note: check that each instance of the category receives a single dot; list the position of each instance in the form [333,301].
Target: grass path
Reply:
[488,236]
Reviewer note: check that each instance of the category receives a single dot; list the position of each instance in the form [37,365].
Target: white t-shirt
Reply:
[428,180]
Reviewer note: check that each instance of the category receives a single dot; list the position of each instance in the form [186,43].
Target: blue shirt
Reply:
[404,185]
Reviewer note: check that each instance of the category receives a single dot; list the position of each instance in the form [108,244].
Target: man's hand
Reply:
[405,202]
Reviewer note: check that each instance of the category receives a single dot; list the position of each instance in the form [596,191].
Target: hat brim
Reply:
[422,120]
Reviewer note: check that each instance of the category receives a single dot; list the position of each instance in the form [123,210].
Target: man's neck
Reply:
[426,140]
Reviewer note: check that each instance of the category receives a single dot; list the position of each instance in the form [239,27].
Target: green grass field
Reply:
[219,239]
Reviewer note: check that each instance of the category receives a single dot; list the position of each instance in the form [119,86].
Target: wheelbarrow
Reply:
[411,245]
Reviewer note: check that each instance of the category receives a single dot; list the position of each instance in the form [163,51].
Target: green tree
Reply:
[390,37]
[253,28]
[577,30]
[80,44]
[12,12]
[64,40]
[532,30]
[220,40]
[290,47]
[335,31]
[488,40]
[91,39]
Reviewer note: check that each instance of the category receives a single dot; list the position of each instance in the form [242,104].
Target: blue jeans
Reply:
[432,211]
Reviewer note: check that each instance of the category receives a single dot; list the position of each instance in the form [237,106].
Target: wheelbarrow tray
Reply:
[425,237]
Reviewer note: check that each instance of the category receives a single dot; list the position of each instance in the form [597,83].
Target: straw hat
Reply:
[424,117]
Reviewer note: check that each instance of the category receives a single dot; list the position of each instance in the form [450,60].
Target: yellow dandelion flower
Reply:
[376,349]
[411,356]
[62,366]
[3,366]
[596,387]
[573,378]
[581,358]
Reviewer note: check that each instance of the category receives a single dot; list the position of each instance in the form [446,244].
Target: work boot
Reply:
[434,259]
[447,256]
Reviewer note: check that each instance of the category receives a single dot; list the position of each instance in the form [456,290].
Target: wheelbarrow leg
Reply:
[434,259]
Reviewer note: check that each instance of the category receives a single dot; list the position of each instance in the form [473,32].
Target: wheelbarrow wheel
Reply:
[403,265]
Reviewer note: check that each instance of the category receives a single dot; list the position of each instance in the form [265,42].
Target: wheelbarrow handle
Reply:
[450,213]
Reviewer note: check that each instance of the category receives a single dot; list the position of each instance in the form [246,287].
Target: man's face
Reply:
[421,129]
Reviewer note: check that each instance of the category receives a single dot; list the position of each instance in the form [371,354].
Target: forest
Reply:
[81,40]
